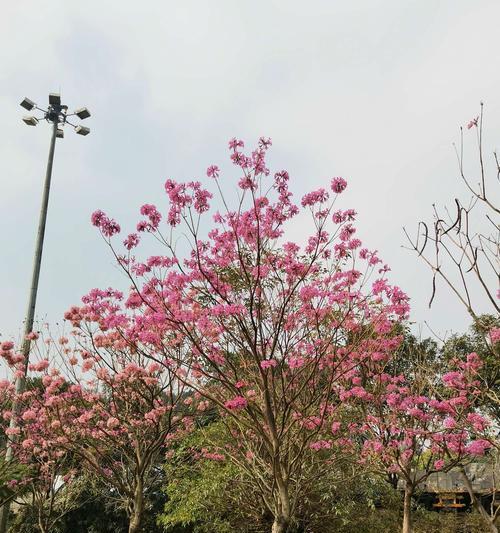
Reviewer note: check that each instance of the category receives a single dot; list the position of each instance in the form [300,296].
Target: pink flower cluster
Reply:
[154,218]
[238,402]
[107,226]
[314,197]
[338,185]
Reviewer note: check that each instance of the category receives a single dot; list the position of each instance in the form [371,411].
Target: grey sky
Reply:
[371,90]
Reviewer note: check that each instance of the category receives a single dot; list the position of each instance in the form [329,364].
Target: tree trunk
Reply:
[43,528]
[134,524]
[137,508]
[282,510]
[41,522]
[476,503]
[280,525]
[407,522]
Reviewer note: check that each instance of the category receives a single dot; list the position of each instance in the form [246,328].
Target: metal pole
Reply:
[30,313]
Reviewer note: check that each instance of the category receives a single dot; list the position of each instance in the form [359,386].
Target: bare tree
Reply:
[461,247]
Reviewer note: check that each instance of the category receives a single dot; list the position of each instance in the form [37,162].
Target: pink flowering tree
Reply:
[119,411]
[50,467]
[44,465]
[7,468]
[264,329]
[468,376]
[11,470]
[99,404]
[413,425]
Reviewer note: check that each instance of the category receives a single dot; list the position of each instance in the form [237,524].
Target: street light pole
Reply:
[37,260]
[56,114]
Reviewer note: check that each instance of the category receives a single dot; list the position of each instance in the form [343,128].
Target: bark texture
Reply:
[407,521]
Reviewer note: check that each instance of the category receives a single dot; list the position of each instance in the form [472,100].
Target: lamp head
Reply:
[27,104]
[82,130]
[30,121]
[54,99]
[82,113]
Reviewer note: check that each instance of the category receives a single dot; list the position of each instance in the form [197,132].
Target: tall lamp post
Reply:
[57,115]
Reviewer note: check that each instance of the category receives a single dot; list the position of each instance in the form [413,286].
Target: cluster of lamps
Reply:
[56,113]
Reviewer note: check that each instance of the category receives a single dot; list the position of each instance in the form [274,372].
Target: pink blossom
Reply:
[213,456]
[438,465]
[359,392]
[478,422]
[478,447]
[268,363]
[29,415]
[449,423]
[40,365]
[495,335]
[112,423]
[238,402]
[296,362]
[153,215]
[338,185]
[314,197]
[213,171]
[27,443]
[97,217]
[131,241]
[107,226]
[265,143]
[335,427]
[236,143]
[87,365]
[320,445]
[473,123]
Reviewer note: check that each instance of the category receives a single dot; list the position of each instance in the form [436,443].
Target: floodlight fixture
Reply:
[27,104]
[82,130]
[60,133]
[30,121]
[54,99]
[82,113]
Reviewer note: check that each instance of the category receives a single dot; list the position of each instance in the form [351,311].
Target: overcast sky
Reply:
[374,91]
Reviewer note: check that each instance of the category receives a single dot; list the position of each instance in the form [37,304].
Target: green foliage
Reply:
[203,496]
[433,522]
[206,496]
[477,340]
[11,471]
[92,510]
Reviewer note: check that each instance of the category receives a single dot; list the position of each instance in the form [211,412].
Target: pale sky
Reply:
[374,91]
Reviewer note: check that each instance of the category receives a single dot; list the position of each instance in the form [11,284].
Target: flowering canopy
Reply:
[267,330]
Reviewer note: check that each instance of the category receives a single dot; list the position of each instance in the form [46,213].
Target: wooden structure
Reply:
[446,491]
[449,500]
